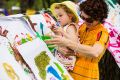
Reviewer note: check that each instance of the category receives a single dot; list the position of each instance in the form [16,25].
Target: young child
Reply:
[67,17]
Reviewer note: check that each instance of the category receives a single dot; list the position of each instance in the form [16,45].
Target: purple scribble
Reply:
[52,78]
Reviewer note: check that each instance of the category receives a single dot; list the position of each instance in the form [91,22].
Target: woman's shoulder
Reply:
[103,28]
[82,27]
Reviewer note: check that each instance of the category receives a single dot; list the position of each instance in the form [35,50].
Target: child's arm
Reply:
[71,33]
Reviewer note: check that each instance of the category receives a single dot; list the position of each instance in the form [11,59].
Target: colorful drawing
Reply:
[22,38]
[25,48]
[41,28]
[10,72]
[116,54]
[113,27]
[10,69]
[41,61]
[6,32]
[54,72]
[49,20]
[59,67]
[64,76]
[52,78]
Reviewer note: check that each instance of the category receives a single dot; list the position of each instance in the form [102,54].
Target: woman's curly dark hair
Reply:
[96,9]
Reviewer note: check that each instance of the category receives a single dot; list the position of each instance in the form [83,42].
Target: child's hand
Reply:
[56,30]
[59,30]
[52,26]
[66,51]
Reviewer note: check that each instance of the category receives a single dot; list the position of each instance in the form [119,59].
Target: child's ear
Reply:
[70,15]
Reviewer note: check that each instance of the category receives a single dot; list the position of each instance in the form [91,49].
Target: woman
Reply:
[93,39]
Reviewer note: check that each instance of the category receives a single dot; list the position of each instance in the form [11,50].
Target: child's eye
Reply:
[60,15]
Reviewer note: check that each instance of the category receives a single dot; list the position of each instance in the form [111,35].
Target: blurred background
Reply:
[8,7]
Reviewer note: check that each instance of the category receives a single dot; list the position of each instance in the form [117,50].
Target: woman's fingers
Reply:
[55,40]
[52,41]
[52,46]
[57,36]
[58,40]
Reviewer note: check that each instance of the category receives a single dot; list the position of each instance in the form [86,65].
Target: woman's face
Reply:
[62,17]
[88,20]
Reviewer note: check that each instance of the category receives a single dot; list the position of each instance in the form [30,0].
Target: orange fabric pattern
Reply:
[86,68]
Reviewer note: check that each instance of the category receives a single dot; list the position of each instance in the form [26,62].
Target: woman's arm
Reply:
[81,49]
[85,50]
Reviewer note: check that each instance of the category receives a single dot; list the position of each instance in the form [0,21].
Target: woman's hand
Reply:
[58,40]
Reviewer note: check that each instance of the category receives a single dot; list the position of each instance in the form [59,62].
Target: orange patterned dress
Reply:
[86,68]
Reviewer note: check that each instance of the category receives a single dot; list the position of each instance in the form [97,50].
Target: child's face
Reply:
[62,17]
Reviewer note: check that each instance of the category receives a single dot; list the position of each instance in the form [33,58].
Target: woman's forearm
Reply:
[85,50]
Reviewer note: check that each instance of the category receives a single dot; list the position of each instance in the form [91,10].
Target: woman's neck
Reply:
[89,25]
